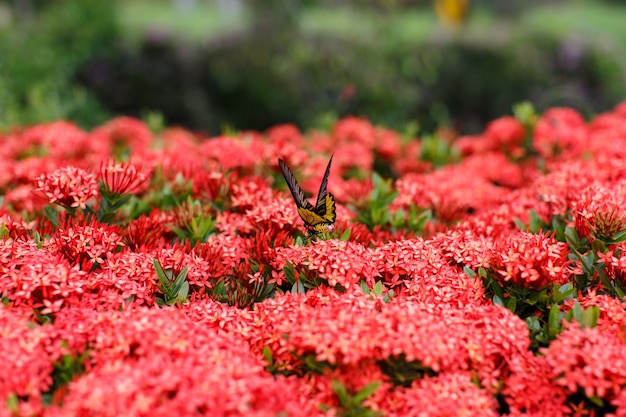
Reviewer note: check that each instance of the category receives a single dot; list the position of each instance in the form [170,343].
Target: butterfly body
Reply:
[319,218]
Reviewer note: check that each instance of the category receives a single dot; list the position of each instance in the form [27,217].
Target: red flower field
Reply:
[149,274]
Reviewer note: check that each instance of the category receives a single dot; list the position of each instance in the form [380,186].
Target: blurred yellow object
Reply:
[452,13]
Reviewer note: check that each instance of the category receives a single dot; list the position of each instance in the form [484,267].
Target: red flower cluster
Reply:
[531,261]
[246,316]
[69,187]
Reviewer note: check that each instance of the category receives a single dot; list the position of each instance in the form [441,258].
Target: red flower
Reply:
[122,135]
[85,245]
[531,261]
[69,187]
[23,346]
[121,178]
[599,212]
[559,130]
[447,394]
[507,134]
[338,262]
[159,362]
[590,359]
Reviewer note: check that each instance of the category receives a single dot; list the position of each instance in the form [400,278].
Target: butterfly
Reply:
[320,218]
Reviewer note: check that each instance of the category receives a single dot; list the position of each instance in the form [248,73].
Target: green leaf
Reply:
[469,272]
[511,304]
[571,237]
[418,226]
[378,288]
[298,288]
[365,392]
[590,316]
[563,292]
[520,224]
[12,403]
[577,312]
[345,236]
[182,293]
[365,288]
[163,279]
[497,300]
[535,223]
[268,356]
[52,215]
[289,272]
[558,225]
[342,394]
[554,320]
[180,280]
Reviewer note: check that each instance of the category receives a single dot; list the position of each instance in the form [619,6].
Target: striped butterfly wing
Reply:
[296,191]
[316,223]
[326,209]
[321,195]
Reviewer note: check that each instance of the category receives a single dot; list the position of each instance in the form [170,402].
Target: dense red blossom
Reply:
[122,178]
[452,193]
[158,362]
[530,390]
[32,278]
[125,279]
[351,330]
[560,130]
[85,243]
[122,135]
[531,261]
[229,152]
[425,330]
[416,268]
[447,394]
[507,134]
[147,231]
[590,359]
[338,262]
[465,248]
[69,187]
[214,185]
[23,348]
[599,211]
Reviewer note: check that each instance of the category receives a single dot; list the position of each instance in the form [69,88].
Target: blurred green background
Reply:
[212,65]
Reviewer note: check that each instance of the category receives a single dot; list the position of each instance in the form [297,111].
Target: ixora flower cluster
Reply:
[170,274]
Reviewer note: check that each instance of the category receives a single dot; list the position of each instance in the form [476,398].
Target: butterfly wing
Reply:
[321,195]
[296,191]
[316,223]
[326,209]
[310,217]
[320,218]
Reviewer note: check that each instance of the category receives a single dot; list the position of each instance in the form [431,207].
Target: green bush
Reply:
[40,55]
[254,81]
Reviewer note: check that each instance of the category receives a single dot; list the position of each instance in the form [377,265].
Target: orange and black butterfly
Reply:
[320,218]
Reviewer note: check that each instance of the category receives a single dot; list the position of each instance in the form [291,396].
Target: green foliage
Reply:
[174,288]
[66,369]
[41,54]
[110,203]
[303,280]
[377,291]
[438,150]
[198,228]
[351,405]
[403,372]
[254,81]
[377,212]
[540,309]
